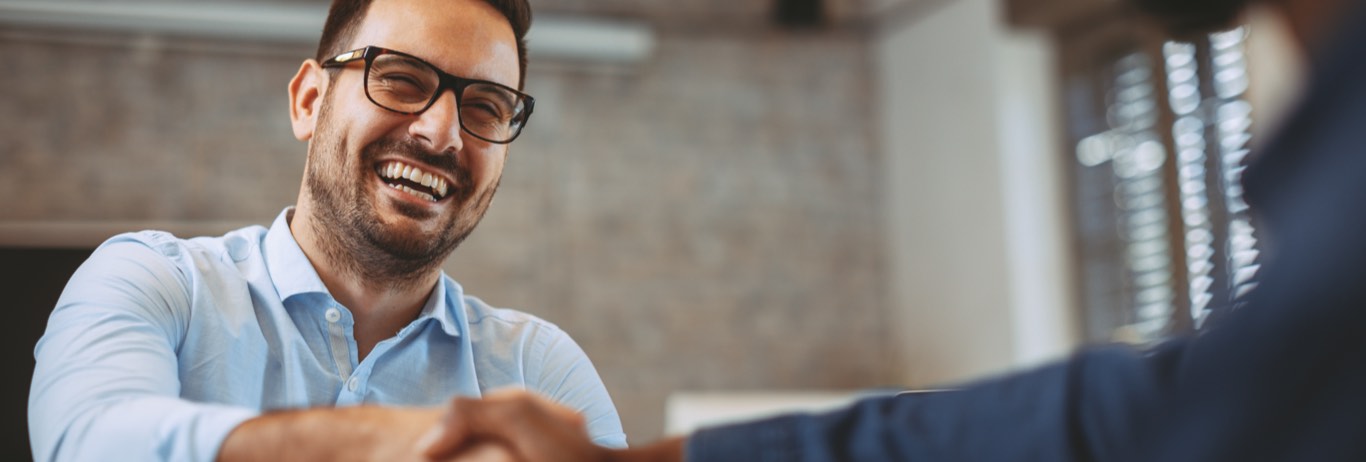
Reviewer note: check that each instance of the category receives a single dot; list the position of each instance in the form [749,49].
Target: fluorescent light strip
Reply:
[550,37]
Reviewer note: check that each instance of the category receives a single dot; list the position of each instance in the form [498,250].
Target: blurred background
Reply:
[726,203]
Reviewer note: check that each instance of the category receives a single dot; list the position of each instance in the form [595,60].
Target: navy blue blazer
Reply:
[1282,378]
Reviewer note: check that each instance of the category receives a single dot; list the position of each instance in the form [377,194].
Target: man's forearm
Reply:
[361,433]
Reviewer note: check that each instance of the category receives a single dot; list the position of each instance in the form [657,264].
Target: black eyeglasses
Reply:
[406,84]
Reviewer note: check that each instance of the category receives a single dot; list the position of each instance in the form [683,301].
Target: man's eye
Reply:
[402,82]
[484,109]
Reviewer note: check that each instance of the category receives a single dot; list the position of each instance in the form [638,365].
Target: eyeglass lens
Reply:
[404,84]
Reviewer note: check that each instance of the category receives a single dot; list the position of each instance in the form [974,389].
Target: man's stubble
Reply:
[347,223]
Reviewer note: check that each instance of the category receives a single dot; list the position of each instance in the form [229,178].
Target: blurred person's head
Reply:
[1185,18]
[400,168]
[1310,22]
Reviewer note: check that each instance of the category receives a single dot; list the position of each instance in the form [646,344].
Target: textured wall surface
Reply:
[120,129]
[706,220]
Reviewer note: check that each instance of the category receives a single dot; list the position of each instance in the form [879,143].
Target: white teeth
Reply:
[398,170]
[416,193]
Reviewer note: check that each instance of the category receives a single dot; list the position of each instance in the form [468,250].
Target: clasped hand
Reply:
[510,425]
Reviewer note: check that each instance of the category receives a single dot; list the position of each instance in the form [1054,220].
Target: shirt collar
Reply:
[289,268]
[446,306]
[293,274]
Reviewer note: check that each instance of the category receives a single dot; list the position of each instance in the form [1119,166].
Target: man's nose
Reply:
[439,125]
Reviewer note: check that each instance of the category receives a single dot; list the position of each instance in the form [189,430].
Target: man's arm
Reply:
[106,385]
[1278,380]
[363,433]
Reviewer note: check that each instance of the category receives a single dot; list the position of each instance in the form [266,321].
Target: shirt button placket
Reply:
[341,350]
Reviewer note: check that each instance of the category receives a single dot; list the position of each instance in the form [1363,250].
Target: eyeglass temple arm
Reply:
[344,58]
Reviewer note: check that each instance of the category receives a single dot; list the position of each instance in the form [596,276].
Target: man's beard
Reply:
[348,224]
[1187,19]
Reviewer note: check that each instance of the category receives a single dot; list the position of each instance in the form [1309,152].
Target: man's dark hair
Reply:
[1190,18]
[345,16]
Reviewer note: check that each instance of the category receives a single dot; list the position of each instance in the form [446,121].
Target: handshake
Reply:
[503,426]
[515,425]
[509,425]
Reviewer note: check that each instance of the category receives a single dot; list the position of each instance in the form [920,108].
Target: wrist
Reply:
[669,450]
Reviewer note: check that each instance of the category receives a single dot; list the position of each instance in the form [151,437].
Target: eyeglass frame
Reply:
[446,81]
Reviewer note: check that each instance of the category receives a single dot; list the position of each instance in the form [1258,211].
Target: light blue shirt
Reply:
[160,346]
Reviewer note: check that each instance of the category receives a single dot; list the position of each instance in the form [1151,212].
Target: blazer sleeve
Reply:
[1279,379]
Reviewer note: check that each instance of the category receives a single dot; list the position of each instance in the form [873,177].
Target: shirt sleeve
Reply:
[106,383]
[563,372]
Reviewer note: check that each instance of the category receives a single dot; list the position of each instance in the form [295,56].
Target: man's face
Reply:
[358,147]
[1189,18]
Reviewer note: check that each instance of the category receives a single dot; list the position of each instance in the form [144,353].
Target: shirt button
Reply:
[333,315]
[353,384]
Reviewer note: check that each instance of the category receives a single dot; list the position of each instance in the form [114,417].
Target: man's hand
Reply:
[532,428]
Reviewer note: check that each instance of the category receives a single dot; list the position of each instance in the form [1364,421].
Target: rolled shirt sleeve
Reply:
[566,375]
[106,384]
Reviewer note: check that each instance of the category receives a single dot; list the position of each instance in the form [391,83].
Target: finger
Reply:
[450,431]
[433,442]
[484,451]
[532,427]
[536,412]
[535,427]
[507,410]
[571,417]
[539,406]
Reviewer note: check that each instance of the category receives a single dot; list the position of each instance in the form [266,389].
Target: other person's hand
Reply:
[532,428]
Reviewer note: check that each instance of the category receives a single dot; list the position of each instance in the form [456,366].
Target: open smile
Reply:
[413,180]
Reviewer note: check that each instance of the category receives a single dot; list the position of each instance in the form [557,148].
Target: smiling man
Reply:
[331,334]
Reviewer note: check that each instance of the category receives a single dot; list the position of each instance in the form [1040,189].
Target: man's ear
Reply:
[305,96]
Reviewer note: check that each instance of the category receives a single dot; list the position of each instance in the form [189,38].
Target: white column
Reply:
[978,234]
